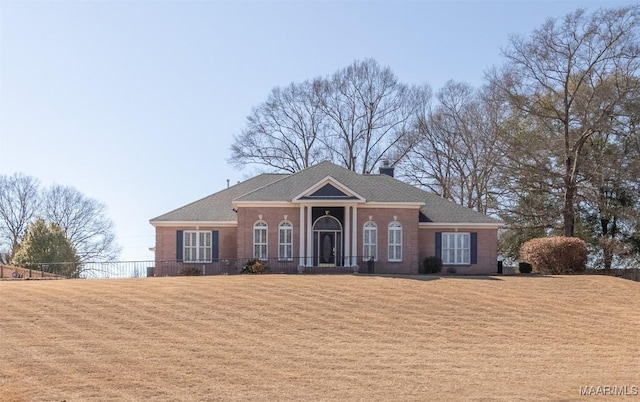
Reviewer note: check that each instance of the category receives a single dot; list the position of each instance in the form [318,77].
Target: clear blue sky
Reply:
[135,103]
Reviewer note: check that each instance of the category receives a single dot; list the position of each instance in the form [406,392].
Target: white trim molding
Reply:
[395,205]
[462,225]
[336,184]
[269,204]
[199,224]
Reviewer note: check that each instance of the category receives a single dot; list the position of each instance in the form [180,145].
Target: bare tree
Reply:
[283,132]
[573,75]
[357,117]
[84,222]
[457,156]
[373,116]
[19,205]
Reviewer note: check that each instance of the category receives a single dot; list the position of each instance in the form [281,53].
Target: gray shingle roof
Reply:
[217,207]
[285,187]
[367,186]
[436,208]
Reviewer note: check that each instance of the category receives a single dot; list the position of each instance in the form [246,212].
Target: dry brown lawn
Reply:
[308,337]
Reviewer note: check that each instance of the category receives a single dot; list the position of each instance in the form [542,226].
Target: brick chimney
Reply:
[386,169]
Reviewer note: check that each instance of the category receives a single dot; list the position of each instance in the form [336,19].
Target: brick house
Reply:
[325,219]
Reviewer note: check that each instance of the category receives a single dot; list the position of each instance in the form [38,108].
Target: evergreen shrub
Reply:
[525,268]
[431,265]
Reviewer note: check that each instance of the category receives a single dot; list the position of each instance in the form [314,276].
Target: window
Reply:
[395,241]
[456,248]
[285,241]
[197,246]
[370,241]
[260,240]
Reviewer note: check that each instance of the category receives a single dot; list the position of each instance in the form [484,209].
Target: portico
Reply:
[328,234]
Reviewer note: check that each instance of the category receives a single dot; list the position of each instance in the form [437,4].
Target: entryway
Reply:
[327,242]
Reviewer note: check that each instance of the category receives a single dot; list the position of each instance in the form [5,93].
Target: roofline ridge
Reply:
[284,176]
[210,195]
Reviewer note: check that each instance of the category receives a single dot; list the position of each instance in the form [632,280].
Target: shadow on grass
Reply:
[477,277]
[498,277]
[402,276]
[474,277]
[534,276]
[433,277]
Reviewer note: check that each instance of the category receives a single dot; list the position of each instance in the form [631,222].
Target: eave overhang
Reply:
[463,225]
[194,223]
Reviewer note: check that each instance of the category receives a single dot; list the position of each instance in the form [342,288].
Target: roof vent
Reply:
[386,169]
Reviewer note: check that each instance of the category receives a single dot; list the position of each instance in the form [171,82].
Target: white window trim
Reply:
[263,226]
[285,226]
[197,245]
[371,227]
[456,248]
[394,226]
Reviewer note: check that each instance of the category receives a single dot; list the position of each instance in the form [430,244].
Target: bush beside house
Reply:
[431,265]
[555,255]
[254,266]
[525,268]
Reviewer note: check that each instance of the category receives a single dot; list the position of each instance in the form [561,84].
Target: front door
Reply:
[327,241]
[327,248]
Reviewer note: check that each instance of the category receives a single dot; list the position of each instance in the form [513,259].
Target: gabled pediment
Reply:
[328,189]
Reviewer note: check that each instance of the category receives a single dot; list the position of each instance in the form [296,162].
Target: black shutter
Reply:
[474,247]
[214,245]
[439,245]
[179,247]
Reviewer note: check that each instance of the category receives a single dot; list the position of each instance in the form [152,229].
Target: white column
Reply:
[347,238]
[301,255]
[354,234]
[309,253]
